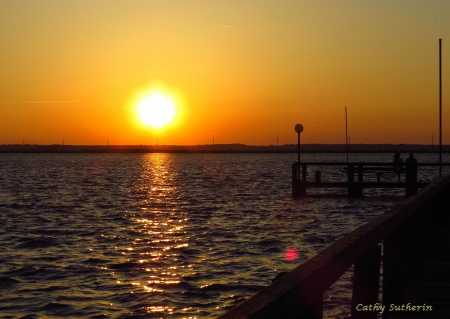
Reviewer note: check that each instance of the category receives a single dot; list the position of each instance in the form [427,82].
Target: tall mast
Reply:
[346,132]
[440,107]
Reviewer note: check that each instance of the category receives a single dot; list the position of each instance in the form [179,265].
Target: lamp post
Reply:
[298,128]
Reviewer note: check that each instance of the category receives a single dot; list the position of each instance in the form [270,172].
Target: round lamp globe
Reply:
[299,128]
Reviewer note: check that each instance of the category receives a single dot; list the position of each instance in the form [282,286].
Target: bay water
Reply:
[168,235]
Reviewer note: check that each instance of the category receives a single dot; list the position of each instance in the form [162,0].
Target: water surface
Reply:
[165,235]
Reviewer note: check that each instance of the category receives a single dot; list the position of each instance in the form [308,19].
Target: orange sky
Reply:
[238,71]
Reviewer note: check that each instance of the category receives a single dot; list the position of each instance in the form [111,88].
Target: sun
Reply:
[156,110]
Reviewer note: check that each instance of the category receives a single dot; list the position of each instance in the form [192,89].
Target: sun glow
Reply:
[156,110]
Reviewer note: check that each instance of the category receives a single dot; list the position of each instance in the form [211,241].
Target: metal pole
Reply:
[298,128]
[346,132]
[299,152]
[440,107]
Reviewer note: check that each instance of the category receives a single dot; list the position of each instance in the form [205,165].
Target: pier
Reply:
[408,245]
[359,176]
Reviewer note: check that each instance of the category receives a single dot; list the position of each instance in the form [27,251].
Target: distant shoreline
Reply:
[224,148]
[205,152]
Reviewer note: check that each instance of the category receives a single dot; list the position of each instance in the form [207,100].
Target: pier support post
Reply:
[294,173]
[411,189]
[315,311]
[366,278]
[394,267]
[411,176]
[351,173]
[303,172]
[318,176]
[298,189]
[354,190]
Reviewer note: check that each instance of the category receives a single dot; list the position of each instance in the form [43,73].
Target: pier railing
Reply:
[355,181]
[405,232]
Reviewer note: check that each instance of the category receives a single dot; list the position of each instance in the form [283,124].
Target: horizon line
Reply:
[215,144]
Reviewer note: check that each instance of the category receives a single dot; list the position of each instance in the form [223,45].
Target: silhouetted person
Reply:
[411,169]
[398,165]
[411,175]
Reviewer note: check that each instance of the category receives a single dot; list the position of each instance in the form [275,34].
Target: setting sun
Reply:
[156,110]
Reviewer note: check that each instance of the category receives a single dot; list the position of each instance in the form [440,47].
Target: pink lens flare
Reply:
[291,254]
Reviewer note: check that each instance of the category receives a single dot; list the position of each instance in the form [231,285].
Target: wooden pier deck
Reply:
[360,184]
[358,176]
[410,243]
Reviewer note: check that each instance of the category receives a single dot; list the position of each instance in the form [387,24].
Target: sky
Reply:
[242,71]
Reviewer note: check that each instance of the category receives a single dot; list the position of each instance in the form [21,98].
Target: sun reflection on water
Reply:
[157,268]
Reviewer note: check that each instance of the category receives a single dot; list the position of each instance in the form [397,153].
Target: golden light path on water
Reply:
[162,232]
[190,262]
[178,249]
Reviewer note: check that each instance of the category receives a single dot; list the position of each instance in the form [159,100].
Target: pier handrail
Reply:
[405,230]
[366,163]
[357,169]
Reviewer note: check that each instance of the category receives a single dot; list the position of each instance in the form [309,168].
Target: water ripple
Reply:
[162,235]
